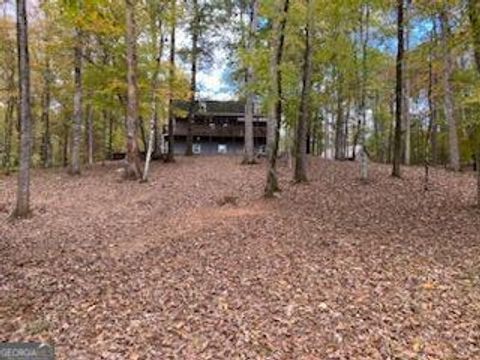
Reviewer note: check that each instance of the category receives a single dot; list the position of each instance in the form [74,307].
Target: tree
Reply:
[474,15]
[171,81]
[340,133]
[22,208]
[154,90]
[89,133]
[278,40]
[406,97]
[397,151]
[363,105]
[300,174]
[249,156]
[195,29]
[77,106]
[46,100]
[447,91]
[7,69]
[133,169]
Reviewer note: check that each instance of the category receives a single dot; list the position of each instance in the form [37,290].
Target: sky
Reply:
[212,83]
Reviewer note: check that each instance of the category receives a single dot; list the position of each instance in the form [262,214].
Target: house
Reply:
[218,128]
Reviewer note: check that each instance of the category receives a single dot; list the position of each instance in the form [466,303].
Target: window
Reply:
[222,148]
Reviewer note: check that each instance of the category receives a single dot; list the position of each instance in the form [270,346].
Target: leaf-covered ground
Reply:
[335,269]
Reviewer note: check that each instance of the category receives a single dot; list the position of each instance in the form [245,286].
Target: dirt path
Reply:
[331,270]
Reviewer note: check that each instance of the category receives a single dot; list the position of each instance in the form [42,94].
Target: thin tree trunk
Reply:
[154,105]
[304,115]
[65,145]
[46,142]
[143,135]
[77,107]
[377,131]
[110,135]
[326,133]
[346,152]
[432,120]
[90,134]
[193,81]
[356,128]
[7,158]
[157,131]
[431,99]
[363,154]
[390,131]
[397,148]
[406,97]
[249,155]
[430,145]
[448,95]
[171,82]
[133,168]
[276,79]
[474,15]
[339,126]
[477,159]
[105,135]
[22,207]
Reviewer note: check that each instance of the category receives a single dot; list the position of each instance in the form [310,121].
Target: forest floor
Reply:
[335,269]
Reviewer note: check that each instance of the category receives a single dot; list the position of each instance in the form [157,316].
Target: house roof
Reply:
[214,107]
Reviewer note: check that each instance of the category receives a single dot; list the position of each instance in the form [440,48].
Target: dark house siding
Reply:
[218,128]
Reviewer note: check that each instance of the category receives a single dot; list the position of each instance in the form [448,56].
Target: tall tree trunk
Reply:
[363,105]
[300,174]
[193,80]
[477,164]
[249,155]
[66,144]
[143,135]
[430,156]
[429,141]
[278,34]
[397,148]
[77,107]
[90,134]
[110,135]
[357,126]
[340,126]
[46,141]
[105,134]
[22,207]
[132,170]
[171,82]
[474,14]
[326,132]
[448,96]
[406,97]
[157,127]
[154,104]
[377,130]
[391,103]
[346,152]
[7,157]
